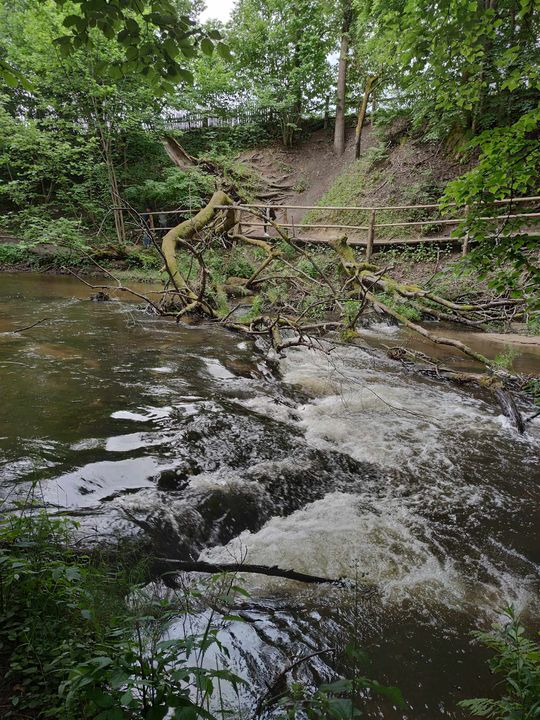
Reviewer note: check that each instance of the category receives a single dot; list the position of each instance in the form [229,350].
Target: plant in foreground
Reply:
[517,659]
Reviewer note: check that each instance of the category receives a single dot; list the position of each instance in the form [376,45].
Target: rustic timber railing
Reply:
[260,220]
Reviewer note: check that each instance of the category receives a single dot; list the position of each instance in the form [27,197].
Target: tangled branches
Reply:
[337,292]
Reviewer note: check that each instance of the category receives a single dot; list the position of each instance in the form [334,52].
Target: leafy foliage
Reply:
[508,166]
[83,641]
[157,39]
[177,188]
[517,659]
[281,49]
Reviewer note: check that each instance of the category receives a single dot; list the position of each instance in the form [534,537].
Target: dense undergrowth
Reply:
[80,638]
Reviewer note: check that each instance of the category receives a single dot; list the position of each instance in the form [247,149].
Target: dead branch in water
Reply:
[273,571]
[29,327]
[494,385]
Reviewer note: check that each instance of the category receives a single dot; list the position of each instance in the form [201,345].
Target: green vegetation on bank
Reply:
[516,661]
[80,638]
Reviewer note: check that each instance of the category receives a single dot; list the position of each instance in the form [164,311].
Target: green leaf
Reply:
[157,712]
[223,51]
[170,47]
[188,50]
[111,714]
[185,75]
[207,46]
[71,20]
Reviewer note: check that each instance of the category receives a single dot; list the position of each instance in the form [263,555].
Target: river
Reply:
[336,464]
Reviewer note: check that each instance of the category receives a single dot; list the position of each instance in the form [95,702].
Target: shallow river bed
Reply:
[339,464]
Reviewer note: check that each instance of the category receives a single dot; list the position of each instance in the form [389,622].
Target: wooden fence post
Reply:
[370,235]
[465,246]
[238,222]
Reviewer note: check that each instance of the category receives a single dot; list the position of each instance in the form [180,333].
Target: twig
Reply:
[28,327]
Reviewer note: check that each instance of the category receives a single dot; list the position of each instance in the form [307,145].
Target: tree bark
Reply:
[115,194]
[326,112]
[274,571]
[187,230]
[339,131]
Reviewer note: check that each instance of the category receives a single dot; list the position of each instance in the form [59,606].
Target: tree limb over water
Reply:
[273,571]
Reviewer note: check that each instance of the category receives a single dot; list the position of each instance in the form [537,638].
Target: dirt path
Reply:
[306,172]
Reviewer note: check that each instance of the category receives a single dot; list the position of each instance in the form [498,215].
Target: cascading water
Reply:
[342,464]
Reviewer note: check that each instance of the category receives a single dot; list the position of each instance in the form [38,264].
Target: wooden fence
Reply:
[183,120]
[316,230]
[255,220]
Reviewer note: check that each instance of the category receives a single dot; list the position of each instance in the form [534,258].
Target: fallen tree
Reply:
[363,284]
[302,295]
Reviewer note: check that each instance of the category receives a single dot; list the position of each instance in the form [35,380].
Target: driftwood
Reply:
[364,277]
[274,571]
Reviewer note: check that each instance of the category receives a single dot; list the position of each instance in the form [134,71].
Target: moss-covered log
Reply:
[187,230]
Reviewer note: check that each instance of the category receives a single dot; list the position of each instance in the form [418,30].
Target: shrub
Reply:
[61,231]
[81,640]
[517,659]
[12,254]
[179,188]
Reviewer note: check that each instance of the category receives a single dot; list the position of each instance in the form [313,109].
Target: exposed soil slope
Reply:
[306,171]
[394,169]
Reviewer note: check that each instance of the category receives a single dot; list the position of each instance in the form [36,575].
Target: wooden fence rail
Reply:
[265,214]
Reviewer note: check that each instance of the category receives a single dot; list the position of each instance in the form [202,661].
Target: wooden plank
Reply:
[246,206]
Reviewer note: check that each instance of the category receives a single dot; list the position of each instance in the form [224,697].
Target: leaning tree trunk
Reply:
[187,229]
[370,84]
[115,193]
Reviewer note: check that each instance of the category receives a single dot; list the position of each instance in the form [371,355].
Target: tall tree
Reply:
[346,8]
[83,100]
[282,50]
[155,35]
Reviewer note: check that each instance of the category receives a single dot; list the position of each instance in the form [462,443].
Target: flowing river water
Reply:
[338,464]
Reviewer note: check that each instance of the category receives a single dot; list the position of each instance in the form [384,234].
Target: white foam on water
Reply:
[379,540]
[380,328]
[269,407]
[148,413]
[217,370]
[165,369]
[380,415]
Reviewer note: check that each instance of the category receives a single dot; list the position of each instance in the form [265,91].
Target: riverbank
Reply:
[439,269]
